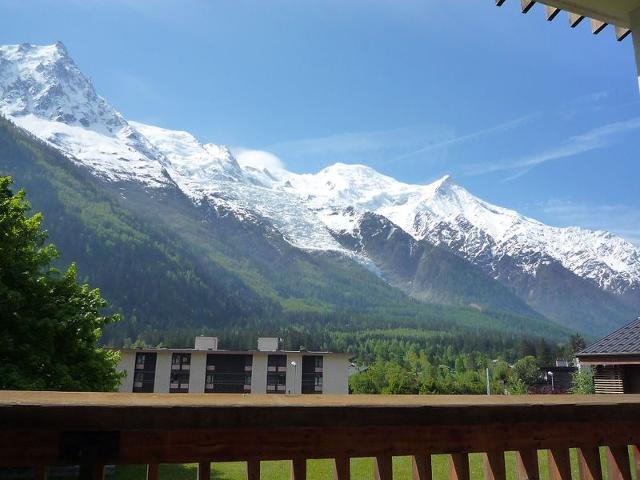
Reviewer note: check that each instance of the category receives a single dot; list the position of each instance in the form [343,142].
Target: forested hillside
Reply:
[172,267]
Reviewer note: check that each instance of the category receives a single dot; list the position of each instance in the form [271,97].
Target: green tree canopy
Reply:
[527,371]
[582,381]
[49,324]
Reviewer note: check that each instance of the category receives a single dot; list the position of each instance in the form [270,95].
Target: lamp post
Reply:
[553,387]
[488,382]
[295,375]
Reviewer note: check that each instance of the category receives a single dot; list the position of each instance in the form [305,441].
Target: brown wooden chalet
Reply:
[616,359]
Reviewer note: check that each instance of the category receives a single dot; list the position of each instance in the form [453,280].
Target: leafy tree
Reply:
[517,387]
[49,324]
[526,371]
[582,381]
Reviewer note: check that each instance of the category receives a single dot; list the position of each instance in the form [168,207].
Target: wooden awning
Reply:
[617,13]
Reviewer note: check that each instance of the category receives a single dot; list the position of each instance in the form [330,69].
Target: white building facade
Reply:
[206,369]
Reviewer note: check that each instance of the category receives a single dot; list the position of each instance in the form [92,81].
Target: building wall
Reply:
[163,372]
[127,365]
[198,369]
[259,373]
[294,375]
[335,376]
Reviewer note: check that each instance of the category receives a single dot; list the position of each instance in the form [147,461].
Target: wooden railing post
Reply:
[253,469]
[384,467]
[421,467]
[618,462]
[342,468]
[458,466]
[204,471]
[40,472]
[494,467]
[152,471]
[91,471]
[527,465]
[559,464]
[635,451]
[299,469]
[589,463]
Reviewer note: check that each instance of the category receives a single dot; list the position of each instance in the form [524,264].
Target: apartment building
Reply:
[208,369]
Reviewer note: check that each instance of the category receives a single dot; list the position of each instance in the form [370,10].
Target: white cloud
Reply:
[259,159]
[596,138]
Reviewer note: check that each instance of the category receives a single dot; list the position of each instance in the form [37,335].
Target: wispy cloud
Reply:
[596,138]
[383,147]
[500,128]
[368,146]
[259,159]
[623,220]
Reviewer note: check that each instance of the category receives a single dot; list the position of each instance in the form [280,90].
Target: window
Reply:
[312,373]
[179,379]
[276,374]
[145,372]
[228,373]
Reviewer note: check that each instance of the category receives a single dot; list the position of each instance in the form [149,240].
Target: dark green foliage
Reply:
[527,370]
[422,363]
[582,382]
[49,323]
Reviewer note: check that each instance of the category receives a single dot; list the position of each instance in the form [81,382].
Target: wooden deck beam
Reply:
[574,19]
[62,429]
[526,5]
[597,26]
[551,12]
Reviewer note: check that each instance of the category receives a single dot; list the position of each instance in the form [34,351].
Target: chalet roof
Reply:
[624,341]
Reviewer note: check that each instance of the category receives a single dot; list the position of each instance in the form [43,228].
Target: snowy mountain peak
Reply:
[188,157]
[444,182]
[44,81]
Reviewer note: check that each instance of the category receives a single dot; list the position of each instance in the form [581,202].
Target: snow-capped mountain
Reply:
[448,215]
[43,91]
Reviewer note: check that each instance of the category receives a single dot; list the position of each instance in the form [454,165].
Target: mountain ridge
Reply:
[44,92]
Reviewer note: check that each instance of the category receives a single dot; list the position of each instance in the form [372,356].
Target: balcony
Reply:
[40,429]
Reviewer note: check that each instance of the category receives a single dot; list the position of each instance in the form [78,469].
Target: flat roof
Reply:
[228,352]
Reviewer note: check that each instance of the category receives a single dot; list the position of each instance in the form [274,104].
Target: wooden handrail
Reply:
[40,429]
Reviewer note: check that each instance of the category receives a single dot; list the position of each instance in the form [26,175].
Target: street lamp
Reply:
[295,375]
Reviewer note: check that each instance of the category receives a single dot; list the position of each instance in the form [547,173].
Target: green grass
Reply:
[361,468]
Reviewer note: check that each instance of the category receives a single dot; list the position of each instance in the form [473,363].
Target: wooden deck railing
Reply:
[42,429]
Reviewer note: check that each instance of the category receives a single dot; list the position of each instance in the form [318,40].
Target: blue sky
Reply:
[525,113]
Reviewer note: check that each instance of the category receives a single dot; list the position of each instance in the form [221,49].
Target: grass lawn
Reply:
[361,468]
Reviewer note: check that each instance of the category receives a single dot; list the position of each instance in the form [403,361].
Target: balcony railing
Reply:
[42,429]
